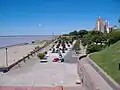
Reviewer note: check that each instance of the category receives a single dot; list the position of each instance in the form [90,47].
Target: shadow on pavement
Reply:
[69,59]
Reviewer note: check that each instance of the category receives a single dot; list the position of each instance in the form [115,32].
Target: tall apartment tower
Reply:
[102,25]
[106,26]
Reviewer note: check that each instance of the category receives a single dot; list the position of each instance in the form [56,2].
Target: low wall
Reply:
[107,78]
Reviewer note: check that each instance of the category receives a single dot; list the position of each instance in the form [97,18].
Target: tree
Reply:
[99,39]
[75,37]
[73,33]
[41,55]
[87,39]
[95,39]
[93,48]
[113,37]
[96,33]
[59,41]
[82,33]
[65,35]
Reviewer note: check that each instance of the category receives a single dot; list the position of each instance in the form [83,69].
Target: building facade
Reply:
[102,26]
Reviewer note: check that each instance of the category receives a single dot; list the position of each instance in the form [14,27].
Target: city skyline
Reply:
[40,17]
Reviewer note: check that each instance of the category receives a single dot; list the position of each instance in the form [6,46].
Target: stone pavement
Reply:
[34,73]
[94,79]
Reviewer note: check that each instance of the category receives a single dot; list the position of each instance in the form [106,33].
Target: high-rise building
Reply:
[102,25]
[106,26]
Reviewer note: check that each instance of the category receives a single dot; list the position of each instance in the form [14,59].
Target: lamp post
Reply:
[6,57]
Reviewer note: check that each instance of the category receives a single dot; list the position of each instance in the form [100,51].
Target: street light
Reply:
[6,57]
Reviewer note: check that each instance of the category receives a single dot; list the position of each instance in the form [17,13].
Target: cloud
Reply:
[40,25]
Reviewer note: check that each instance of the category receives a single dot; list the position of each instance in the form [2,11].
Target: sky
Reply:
[43,17]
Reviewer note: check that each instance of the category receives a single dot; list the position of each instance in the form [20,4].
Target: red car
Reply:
[55,59]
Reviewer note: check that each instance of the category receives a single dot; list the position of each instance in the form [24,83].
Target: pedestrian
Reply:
[82,81]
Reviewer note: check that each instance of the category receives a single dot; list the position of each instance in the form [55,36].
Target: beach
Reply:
[15,53]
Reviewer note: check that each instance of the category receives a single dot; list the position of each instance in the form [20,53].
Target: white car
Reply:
[43,60]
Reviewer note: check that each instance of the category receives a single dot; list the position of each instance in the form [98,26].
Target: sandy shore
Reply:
[15,53]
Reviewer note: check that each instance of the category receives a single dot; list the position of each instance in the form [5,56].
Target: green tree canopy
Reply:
[74,32]
[81,33]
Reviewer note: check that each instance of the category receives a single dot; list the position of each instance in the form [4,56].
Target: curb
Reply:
[103,74]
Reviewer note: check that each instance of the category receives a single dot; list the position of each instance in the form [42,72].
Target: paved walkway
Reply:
[97,80]
[34,73]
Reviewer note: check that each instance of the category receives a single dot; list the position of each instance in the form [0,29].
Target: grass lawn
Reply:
[108,60]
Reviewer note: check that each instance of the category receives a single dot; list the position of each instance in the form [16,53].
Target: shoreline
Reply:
[20,44]
[9,41]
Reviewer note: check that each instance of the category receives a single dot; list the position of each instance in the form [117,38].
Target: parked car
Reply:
[61,59]
[55,59]
[43,61]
